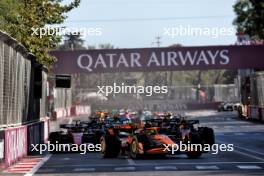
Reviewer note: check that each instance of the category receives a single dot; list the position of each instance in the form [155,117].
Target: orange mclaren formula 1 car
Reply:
[138,141]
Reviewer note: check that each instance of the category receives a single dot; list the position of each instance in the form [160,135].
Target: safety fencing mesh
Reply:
[15,72]
[62,98]
[44,106]
[203,93]
[257,89]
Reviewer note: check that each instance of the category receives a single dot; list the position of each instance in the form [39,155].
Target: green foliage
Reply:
[106,46]
[19,17]
[72,42]
[250,17]
[101,46]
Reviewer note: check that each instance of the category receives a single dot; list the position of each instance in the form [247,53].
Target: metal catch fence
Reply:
[62,98]
[15,72]
[257,89]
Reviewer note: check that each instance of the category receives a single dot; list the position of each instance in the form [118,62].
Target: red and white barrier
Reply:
[15,146]
[60,112]
[83,110]
[71,111]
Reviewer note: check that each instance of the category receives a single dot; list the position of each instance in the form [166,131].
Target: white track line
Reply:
[207,167]
[165,168]
[125,168]
[249,150]
[239,134]
[131,162]
[155,164]
[36,168]
[249,155]
[84,169]
[248,167]
[66,159]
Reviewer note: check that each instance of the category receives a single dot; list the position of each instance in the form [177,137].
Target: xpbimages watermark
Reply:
[135,89]
[183,147]
[61,31]
[57,147]
[213,32]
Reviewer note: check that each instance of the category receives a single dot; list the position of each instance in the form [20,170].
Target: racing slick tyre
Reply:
[194,138]
[110,146]
[53,138]
[207,135]
[134,148]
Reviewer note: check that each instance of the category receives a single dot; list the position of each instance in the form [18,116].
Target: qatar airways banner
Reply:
[159,59]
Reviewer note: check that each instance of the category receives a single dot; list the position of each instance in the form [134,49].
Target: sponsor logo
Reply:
[155,59]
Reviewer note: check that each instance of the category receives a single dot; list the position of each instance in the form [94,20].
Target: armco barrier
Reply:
[15,144]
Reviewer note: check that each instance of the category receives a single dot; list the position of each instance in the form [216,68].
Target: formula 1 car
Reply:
[81,132]
[226,107]
[116,139]
[176,125]
[78,133]
[138,141]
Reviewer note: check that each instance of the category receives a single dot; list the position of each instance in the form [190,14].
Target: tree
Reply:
[106,46]
[101,46]
[8,12]
[250,17]
[26,16]
[72,41]
[91,47]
